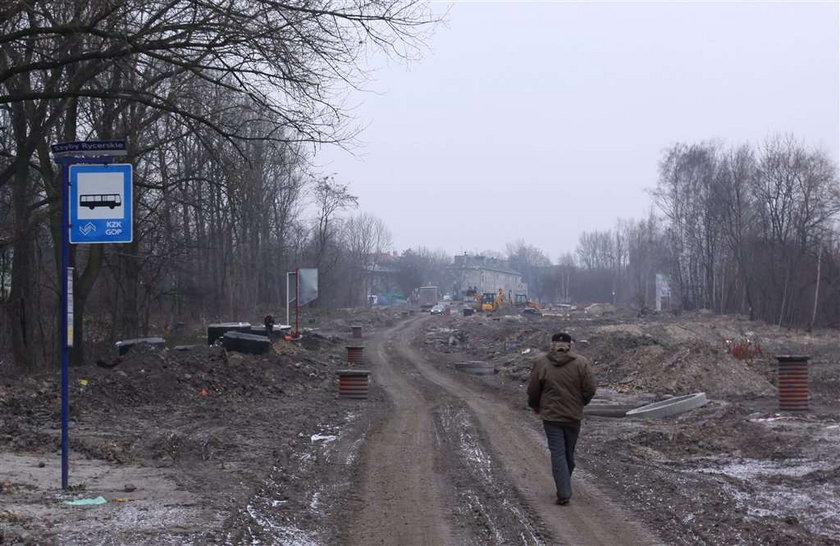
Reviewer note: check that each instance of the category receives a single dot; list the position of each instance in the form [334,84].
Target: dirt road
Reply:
[403,496]
[455,465]
[226,448]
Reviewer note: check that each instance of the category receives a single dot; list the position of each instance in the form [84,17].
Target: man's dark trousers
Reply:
[562,438]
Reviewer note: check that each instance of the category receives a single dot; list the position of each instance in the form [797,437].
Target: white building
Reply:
[484,274]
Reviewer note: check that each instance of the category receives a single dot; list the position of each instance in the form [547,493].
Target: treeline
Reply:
[742,230]
[221,104]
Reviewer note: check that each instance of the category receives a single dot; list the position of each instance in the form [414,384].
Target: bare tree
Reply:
[566,268]
[366,237]
[422,267]
[330,198]
[684,195]
[595,250]
[647,255]
[797,197]
[732,193]
[746,232]
[532,263]
[232,72]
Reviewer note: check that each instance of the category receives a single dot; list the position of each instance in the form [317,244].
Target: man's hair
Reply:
[561,336]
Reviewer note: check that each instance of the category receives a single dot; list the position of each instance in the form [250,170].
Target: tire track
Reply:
[590,519]
[401,490]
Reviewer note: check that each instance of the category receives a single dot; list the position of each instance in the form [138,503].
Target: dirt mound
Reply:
[610,344]
[146,376]
[634,356]
[339,322]
[682,368]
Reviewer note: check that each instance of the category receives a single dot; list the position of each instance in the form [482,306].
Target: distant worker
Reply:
[269,326]
[561,384]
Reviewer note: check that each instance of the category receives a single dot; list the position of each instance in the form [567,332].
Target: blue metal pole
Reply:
[66,278]
[65,349]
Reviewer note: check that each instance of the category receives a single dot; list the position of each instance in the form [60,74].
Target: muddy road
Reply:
[221,447]
[454,464]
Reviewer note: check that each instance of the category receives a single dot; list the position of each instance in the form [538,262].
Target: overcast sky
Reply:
[540,121]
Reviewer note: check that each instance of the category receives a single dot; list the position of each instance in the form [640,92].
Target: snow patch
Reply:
[288,535]
[752,468]
[354,451]
[764,497]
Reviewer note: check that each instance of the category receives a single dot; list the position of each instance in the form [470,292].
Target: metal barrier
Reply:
[794,394]
[355,353]
[353,383]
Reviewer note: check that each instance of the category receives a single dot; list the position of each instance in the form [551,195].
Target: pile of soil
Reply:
[338,322]
[682,368]
[638,357]
[169,377]
[444,340]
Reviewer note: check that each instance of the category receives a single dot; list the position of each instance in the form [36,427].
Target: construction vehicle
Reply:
[472,298]
[529,308]
[521,300]
[427,296]
[490,301]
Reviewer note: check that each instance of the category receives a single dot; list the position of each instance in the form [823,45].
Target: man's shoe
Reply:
[562,502]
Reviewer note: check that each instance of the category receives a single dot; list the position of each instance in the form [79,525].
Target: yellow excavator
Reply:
[490,301]
[521,300]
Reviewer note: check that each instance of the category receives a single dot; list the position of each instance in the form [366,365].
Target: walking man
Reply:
[561,384]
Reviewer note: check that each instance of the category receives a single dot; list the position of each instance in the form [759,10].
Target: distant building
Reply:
[381,277]
[484,274]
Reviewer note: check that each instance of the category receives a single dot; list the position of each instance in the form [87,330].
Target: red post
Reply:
[297,302]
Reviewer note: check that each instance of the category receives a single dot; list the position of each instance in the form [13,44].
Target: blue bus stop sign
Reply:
[101,205]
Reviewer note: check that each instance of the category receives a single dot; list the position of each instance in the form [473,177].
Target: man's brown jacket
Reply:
[560,385]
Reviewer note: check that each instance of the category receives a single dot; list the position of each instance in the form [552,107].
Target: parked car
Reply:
[438,309]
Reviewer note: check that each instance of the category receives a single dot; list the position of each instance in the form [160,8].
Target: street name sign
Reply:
[101,206]
[90,147]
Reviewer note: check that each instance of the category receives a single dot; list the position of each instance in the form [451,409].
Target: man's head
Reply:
[561,336]
[561,342]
